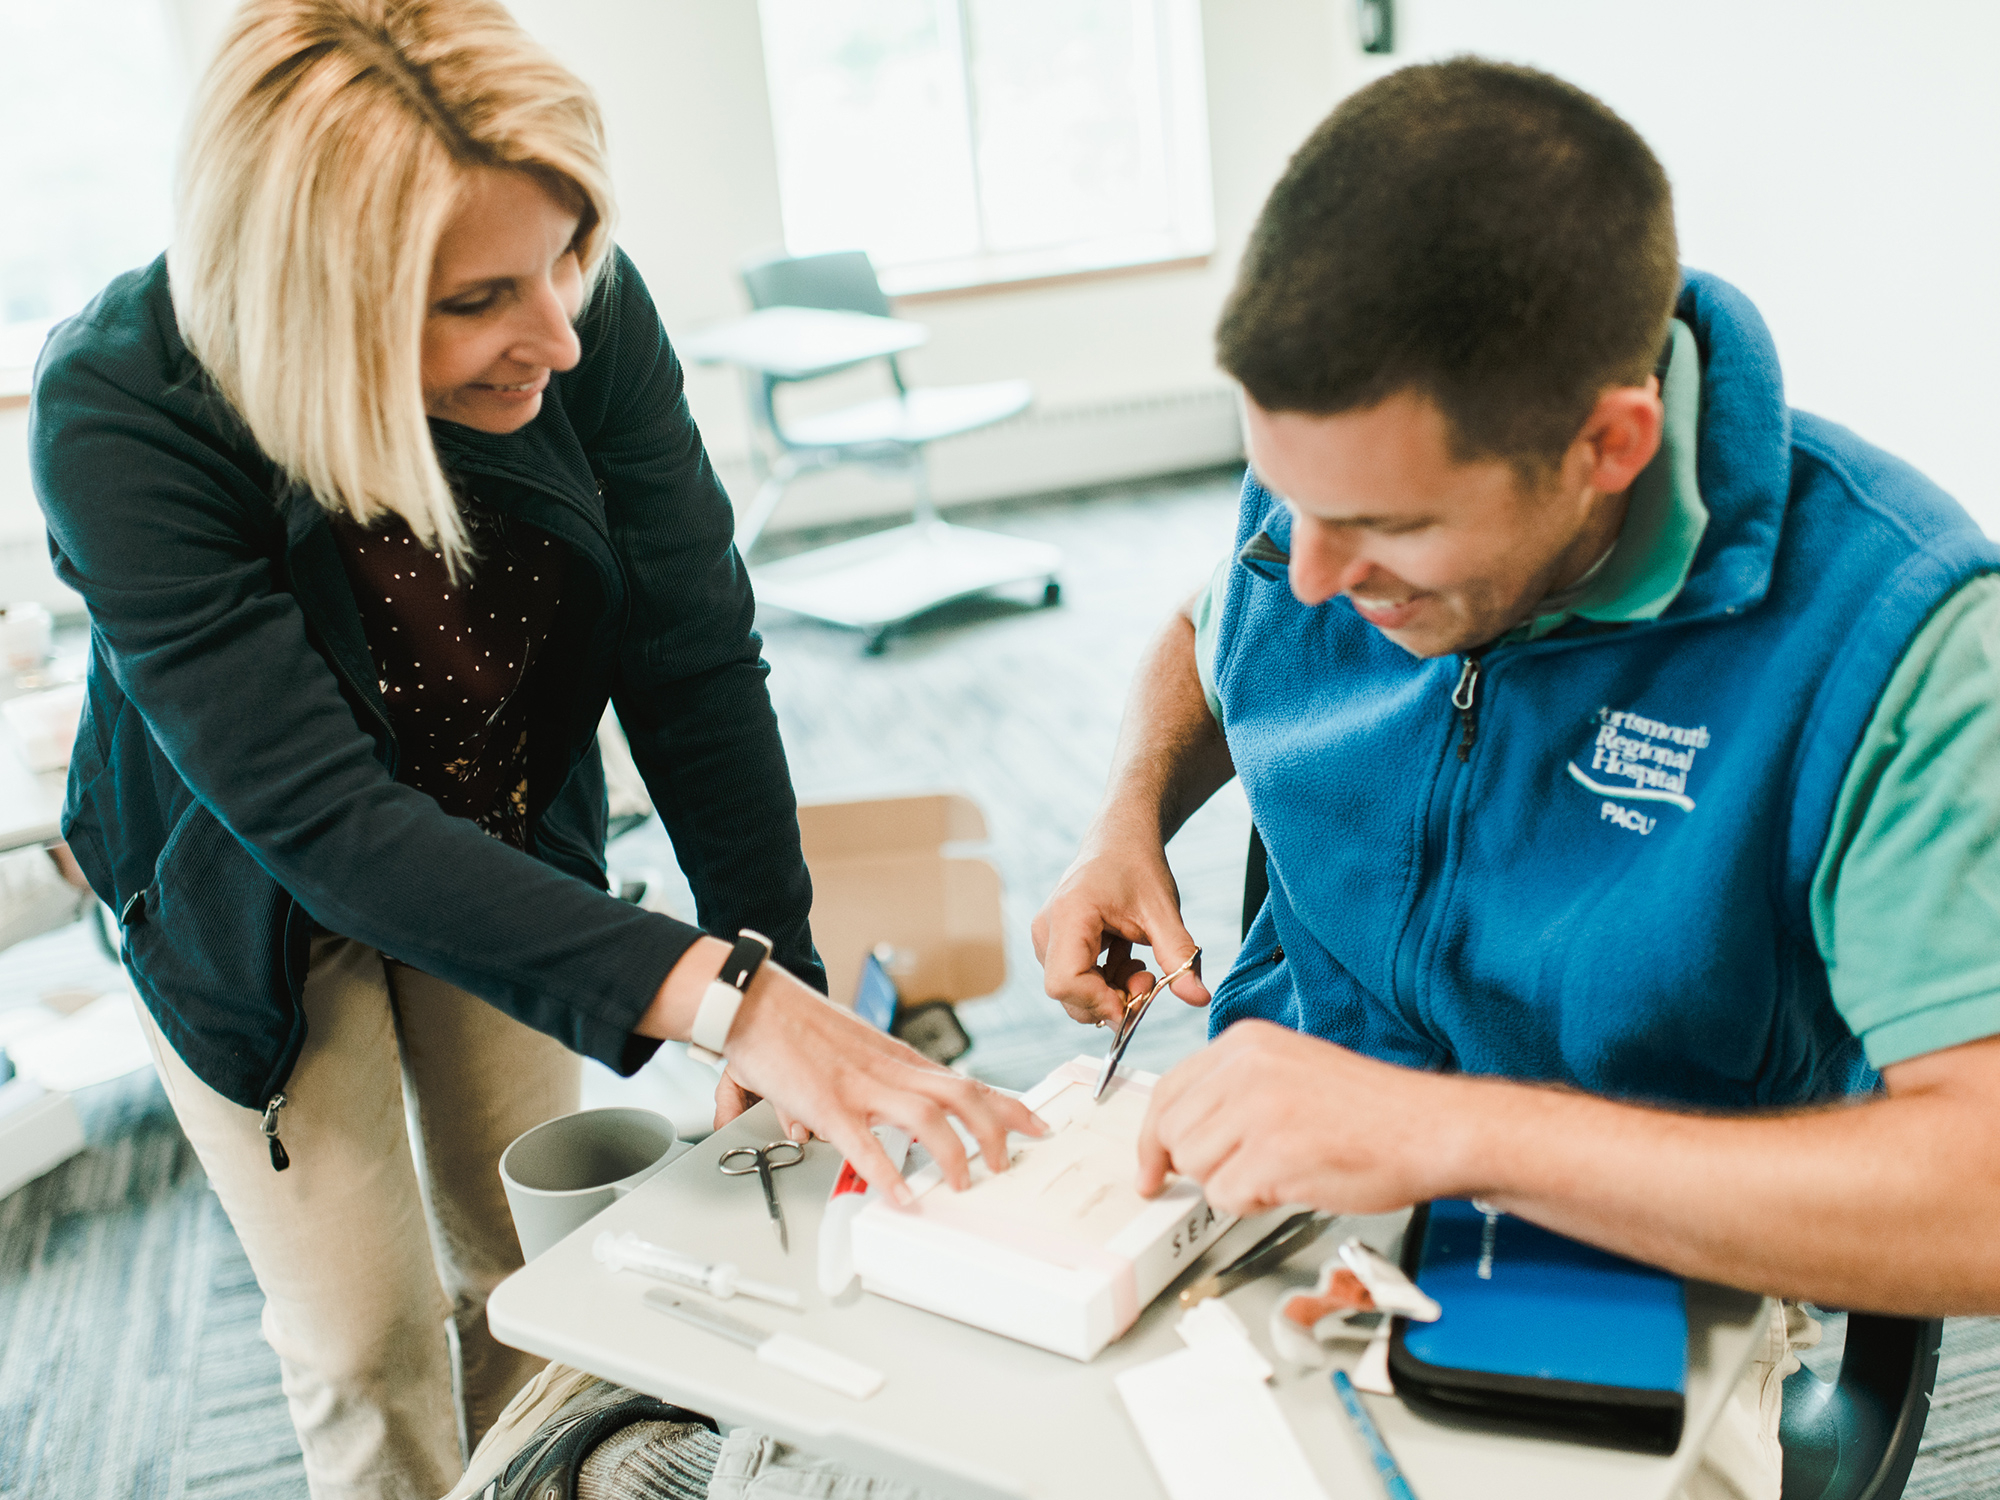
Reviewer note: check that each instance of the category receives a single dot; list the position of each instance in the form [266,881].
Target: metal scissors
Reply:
[1135,1012]
[764,1160]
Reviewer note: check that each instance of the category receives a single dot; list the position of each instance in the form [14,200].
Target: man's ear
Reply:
[1621,435]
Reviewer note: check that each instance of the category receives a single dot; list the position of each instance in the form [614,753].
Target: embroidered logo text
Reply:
[1636,759]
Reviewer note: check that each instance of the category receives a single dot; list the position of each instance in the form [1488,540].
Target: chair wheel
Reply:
[1051,594]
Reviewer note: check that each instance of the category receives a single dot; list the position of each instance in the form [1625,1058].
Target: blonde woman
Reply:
[378,485]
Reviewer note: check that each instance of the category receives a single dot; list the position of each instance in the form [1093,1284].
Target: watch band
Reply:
[724,996]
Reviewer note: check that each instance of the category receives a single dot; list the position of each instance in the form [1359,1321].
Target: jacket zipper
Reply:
[1465,698]
[280,1158]
[1465,704]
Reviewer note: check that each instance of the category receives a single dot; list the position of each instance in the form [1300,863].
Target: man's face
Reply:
[1437,554]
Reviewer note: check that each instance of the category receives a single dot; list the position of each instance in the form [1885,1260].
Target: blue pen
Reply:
[1385,1461]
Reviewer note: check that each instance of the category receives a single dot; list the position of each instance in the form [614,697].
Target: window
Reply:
[90,97]
[963,142]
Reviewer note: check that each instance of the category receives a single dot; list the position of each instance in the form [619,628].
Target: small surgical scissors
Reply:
[764,1160]
[1135,1012]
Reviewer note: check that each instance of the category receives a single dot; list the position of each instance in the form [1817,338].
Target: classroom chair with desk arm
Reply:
[892,431]
[817,316]
[1851,1438]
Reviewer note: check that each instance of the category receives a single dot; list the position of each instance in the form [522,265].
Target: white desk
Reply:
[973,1416]
[797,343]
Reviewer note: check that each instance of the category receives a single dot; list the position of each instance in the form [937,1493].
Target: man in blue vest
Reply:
[1626,745]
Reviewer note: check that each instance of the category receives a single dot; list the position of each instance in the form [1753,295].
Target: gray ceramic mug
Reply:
[568,1170]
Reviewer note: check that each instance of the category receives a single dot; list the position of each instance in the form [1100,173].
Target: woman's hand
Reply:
[732,1099]
[828,1071]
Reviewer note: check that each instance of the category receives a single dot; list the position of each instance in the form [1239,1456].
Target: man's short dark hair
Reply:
[1483,235]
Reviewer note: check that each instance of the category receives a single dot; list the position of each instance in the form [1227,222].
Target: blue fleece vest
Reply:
[1610,889]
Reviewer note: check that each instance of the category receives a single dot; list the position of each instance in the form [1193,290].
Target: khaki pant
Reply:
[377,1248]
[1742,1459]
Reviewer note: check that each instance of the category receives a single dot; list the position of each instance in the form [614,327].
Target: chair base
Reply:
[878,583]
[1856,1438]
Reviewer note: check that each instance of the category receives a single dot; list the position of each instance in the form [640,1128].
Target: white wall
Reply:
[1833,159]
[683,90]
[682,86]
[1838,161]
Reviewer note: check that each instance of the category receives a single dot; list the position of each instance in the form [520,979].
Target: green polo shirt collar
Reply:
[1664,516]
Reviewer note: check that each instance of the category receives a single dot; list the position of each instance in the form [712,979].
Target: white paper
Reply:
[1371,1373]
[1212,1326]
[1214,1432]
[97,1044]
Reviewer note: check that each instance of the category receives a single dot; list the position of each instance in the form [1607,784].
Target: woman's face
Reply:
[504,289]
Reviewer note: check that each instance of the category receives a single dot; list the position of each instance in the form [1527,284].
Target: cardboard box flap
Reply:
[916,825]
[880,876]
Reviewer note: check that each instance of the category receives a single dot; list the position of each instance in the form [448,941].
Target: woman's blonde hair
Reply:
[329,145]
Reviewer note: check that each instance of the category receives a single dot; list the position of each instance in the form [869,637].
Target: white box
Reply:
[38,1131]
[1059,1251]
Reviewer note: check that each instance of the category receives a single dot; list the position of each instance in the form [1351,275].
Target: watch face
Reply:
[932,1028]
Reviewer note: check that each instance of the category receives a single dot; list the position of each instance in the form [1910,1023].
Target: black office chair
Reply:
[1855,1437]
[1850,1438]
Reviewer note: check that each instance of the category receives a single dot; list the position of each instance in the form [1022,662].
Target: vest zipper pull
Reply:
[1465,698]
[280,1158]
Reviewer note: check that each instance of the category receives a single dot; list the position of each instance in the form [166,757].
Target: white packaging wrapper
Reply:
[1356,1294]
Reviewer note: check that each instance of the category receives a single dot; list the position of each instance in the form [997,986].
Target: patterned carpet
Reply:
[131,1364]
[130,1359]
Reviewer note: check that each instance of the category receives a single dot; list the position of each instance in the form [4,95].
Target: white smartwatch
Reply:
[724,996]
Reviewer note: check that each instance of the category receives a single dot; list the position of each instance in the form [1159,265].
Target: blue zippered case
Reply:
[1540,1331]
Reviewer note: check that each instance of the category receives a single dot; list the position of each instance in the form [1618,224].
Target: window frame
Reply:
[1188,244]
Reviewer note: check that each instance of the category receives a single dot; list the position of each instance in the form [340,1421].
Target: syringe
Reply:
[627,1252]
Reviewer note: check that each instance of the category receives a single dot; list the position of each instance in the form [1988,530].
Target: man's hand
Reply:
[1113,896]
[1170,759]
[1880,1203]
[830,1074]
[1264,1117]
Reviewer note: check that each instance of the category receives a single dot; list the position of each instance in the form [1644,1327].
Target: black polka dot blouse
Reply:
[452,659]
